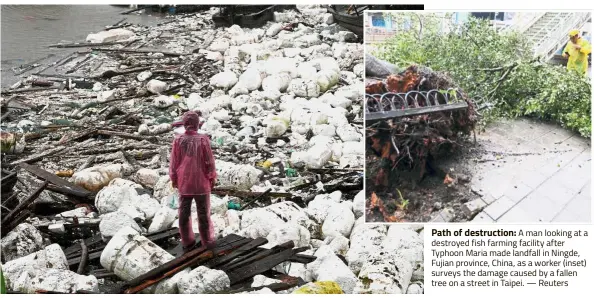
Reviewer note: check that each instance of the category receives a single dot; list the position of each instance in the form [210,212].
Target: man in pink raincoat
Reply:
[192,172]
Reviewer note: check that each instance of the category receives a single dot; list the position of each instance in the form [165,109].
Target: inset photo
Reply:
[478,116]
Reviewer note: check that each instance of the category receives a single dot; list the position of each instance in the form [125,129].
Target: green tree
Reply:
[495,69]
[2,282]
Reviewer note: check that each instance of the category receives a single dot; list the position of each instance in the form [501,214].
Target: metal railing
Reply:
[394,105]
[522,21]
[553,30]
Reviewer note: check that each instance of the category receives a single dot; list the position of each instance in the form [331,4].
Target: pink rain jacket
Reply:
[192,166]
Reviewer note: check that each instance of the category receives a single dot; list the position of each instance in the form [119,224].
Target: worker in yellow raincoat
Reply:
[577,50]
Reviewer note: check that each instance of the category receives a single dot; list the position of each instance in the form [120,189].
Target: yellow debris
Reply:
[319,287]
[265,164]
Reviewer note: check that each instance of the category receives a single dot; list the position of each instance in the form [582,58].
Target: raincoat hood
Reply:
[191,121]
[574,32]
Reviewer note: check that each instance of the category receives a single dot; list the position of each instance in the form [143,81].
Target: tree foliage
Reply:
[2,283]
[496,69]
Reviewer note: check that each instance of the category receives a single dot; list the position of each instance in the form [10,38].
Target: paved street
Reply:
[549,183]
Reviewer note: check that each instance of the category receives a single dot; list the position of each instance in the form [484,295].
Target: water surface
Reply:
[27,30]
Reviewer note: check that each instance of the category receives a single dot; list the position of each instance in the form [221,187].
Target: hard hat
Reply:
[574,32]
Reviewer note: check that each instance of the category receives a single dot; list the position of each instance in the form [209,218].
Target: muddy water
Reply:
[27,30]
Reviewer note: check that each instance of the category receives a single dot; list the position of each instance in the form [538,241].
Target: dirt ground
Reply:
[429,195]
[511,159]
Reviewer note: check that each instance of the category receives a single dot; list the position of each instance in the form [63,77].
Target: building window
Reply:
[494,16]
[377,20]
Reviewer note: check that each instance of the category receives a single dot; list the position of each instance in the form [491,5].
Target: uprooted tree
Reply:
[433,117]
[493,72]
[406,143]
[496,69]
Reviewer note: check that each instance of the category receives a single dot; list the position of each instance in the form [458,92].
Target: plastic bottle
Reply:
[174,201]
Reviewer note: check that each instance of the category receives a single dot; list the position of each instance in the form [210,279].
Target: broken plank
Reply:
[24,204]
[279,276]
[7,177]
[59,76]
[101,150]
[5,115]
[162,234]
[284,278]
[110,73]
[151,281]
[147,40]
[17,221]
[79,64]
[8,182]
[324,171]
[238,252]
[300,249]
[328,179]
[85,44]
[139,51]
[303,259]
[231,244]
[90,160]
[258,267]
[249,256]
[200,259]
[104,274]
[119,23]
[78,136]
[64,60]
[260,255]
[244,257]
[244,194]
[71,188]
[126,135]
[297,258]
[39,156]
[24,90]
[74,251]
[65,191]
[255,199]
[163,269]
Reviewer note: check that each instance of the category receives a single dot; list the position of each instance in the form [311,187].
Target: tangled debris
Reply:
[414,117]
[85,146]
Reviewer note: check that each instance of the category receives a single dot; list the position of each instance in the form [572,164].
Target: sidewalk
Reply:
[551,184]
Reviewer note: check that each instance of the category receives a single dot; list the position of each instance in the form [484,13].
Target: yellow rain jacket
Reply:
[578,60]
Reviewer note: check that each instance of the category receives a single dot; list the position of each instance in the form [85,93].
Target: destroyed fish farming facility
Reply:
[87,202]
